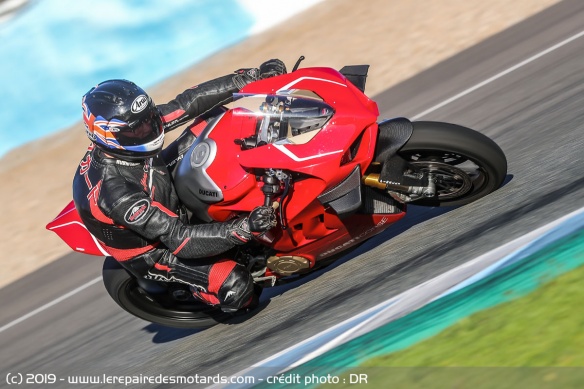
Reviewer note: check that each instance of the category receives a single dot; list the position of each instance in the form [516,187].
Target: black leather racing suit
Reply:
[133,210]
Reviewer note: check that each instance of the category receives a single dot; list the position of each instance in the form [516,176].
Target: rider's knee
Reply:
[237,290]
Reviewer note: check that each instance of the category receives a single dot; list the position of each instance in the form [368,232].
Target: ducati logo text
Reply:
[350,242]
[209,193]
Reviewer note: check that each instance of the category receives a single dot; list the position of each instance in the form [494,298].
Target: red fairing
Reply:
[313,232]
[71,230]
[355,116]
[322,155]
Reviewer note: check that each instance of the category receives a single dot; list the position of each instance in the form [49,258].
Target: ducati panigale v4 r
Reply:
[308,143]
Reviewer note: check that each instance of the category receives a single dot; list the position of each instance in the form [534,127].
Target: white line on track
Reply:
[50,304]
[434,108]
[499,75]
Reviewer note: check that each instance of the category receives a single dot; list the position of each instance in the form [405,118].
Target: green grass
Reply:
[533,341]
[536,341]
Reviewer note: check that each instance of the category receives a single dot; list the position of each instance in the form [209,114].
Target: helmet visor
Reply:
[146,134]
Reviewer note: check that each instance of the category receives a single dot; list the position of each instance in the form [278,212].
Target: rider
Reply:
[125,197]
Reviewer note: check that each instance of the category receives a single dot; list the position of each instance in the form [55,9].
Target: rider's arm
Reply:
[150,219]
[201,98]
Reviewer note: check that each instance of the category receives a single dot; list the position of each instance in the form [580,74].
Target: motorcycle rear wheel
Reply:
[156,302]
[466,165]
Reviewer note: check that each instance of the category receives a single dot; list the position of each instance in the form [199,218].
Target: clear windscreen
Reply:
[283,118]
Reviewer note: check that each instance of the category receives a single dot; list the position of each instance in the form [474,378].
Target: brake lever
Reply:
[283,222]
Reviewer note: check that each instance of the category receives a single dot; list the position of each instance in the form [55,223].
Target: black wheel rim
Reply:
[454,174]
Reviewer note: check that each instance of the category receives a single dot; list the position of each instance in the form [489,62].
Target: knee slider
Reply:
[237,289]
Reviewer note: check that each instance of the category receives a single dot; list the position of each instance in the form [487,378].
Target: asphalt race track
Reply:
[534,112]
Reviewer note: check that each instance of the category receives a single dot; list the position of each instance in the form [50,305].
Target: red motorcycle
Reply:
[308,143]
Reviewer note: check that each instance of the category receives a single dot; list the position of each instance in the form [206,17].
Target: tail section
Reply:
[71,230]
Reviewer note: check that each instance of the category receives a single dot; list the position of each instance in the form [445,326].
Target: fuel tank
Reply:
[209,173]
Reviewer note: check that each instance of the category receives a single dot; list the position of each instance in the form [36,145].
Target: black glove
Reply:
[259,221]
[262,219]
[271,68]
[243,77]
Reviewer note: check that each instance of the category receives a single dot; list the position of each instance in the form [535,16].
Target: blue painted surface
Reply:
[53,51]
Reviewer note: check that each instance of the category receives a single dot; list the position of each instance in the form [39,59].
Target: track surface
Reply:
[535,113]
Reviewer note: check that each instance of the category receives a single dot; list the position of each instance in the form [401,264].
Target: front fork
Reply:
[392,173]
[401,192]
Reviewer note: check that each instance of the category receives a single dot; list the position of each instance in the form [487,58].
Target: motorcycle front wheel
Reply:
[167,304]
[464,164]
